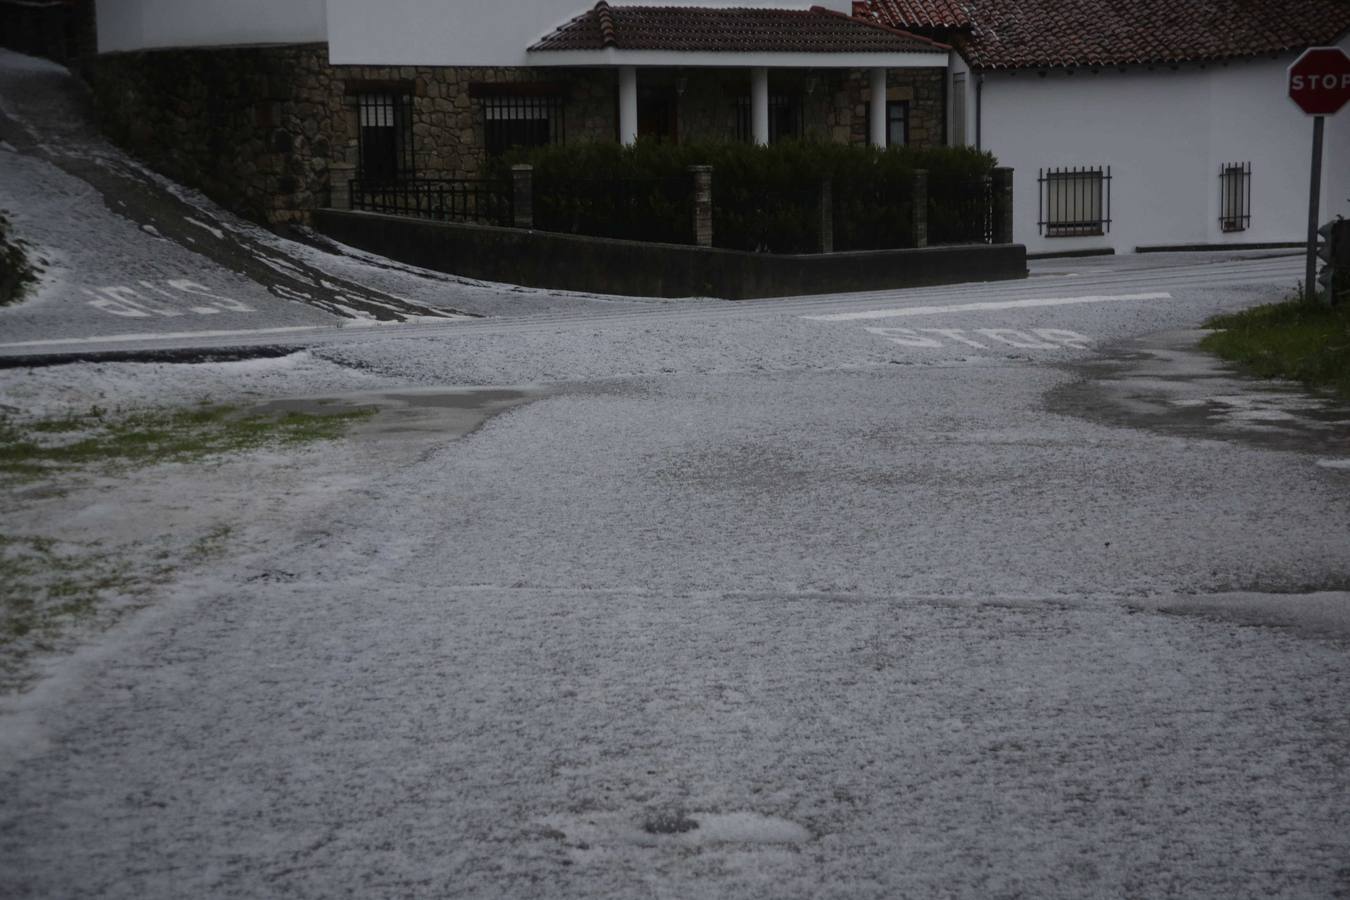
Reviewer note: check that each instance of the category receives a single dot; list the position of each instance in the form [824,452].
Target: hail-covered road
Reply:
[984,591]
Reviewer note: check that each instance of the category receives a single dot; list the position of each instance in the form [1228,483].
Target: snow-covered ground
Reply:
[981,591]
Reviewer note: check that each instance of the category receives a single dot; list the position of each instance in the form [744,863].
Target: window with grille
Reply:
[521,121]
[1075,202]
[1235,196]
[785,118]
[386,143]
[958,109]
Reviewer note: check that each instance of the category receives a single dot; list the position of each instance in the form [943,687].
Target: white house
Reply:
[1141,124]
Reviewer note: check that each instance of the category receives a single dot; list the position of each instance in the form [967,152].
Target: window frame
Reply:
[1235,197]
[501,107]
[381,110]
[1084,211]
[904,120]
[791,107]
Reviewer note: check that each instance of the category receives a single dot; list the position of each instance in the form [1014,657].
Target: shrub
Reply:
[16,271]
[764,198]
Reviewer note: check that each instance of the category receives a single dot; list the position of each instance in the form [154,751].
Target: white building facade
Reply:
[1118,156]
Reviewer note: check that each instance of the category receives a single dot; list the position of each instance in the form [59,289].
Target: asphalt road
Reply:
[984,591]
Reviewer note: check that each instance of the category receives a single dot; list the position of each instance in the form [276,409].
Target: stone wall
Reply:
[272,132]
[925,89]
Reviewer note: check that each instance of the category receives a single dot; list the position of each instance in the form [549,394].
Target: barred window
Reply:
[386,143]
[785,118]
[1075,202]
[521,121]
[1235,196]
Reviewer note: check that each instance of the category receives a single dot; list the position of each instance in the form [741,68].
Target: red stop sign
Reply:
[1319,80]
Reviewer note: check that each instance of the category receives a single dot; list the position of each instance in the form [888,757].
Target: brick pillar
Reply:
[703,232]
[826,215]
[1002,200]
[919,212]
[522,196]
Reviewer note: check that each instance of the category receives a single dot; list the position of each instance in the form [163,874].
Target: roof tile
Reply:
[721,30]
[1012,34]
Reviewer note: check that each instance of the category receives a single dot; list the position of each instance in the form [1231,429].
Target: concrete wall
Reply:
[145,24]
[599,265]
[1165,133]
[455,32]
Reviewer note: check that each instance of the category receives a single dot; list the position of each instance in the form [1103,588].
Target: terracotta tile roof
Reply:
[1014,34]
[707,29]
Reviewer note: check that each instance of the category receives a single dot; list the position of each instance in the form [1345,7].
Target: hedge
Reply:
[764,198]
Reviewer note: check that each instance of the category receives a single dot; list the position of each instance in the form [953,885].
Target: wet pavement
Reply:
[1164,382]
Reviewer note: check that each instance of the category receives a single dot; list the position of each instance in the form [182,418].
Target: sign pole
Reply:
[1314,202]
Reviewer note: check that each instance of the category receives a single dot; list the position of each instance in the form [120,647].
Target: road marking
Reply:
[165,336]
[982,307]
[1033,339]
[131,303]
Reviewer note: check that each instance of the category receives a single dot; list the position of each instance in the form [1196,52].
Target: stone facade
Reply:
[273,132]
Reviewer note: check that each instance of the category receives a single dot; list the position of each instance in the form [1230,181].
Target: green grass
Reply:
[45,587]
[98,440]
[1307,342]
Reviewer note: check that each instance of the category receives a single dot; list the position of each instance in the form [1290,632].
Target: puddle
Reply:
[446,412]
[1163,383]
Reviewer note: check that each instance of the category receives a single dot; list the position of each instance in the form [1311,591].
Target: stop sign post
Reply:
[1319,82]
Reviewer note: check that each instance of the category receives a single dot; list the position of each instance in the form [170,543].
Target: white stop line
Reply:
[981,307]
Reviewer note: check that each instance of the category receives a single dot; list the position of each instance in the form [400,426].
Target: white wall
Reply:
[148,24]
[957,65]
[453,32]
[1165,134]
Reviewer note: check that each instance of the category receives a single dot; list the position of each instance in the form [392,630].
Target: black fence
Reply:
[962,212]
[483,201]
[852,214]
[650,209]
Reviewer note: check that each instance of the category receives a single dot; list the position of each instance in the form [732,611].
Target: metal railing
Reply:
[641,209]
[480,200]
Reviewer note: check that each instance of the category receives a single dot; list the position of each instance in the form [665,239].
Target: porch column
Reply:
[877,119]
[759,105]
[628,106]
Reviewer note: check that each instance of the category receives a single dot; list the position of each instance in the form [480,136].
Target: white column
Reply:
[628,106]
[877,119]
[759,105]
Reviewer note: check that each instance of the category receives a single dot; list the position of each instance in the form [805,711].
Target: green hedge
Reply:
[764,198]
[17,272]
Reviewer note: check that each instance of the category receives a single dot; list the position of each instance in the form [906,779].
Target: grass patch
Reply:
[1294,339]
[97,439]
[45,587]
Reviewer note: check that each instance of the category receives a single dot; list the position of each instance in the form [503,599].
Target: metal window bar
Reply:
[385,149]
[1074,202]
[785,118]
[483,201]
[522,121]
[1235,196]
